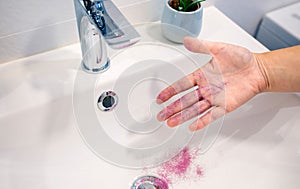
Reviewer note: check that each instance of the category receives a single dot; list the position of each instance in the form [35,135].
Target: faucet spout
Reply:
[100,22]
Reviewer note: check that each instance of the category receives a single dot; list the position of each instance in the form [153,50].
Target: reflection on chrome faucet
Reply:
[104,22]
[99,20]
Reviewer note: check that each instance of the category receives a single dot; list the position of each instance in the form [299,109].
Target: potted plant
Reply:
[181,18]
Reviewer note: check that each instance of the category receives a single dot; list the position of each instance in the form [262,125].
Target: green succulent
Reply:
[185,5]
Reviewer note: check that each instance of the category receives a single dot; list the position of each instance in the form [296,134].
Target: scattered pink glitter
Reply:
[199,171]
[182,167]
[177,166]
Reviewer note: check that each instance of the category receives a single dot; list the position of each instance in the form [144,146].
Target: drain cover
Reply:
[149,182]
[107,101]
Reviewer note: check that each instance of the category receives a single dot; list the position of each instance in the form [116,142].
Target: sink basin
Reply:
[136,76]
[57,130]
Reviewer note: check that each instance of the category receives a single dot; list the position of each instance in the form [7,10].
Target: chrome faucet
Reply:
[99,21]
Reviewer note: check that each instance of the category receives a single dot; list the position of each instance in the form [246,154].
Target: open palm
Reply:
[232,77]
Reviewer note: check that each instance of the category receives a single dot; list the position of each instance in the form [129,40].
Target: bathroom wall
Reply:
[31,26]
[248,14]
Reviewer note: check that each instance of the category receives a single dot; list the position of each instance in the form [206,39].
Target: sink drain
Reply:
[107,101]
[149,182]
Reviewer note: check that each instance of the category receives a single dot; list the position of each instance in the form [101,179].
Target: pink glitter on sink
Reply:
[182,167]
[199,171]
[178,165]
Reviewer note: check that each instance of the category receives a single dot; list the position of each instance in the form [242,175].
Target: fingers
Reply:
[177,87]
[180,104]
[209,117]
[185,83]
[189,113]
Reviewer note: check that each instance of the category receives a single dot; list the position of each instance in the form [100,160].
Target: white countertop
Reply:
[257,148]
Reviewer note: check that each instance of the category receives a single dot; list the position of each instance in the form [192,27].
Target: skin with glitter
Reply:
[220,85]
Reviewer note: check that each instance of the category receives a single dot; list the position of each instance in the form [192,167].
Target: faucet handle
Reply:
[112,24]
[87,4]
[97,13]
[119,32]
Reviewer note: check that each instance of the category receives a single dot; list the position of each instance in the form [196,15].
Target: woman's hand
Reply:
[232,77]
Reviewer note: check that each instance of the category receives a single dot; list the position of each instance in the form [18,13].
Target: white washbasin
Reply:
[137,74]
[52,134]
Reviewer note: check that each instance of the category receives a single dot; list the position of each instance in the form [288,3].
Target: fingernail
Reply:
[187,45]
[159,101]
[161,116]
[186,42]
[172,122]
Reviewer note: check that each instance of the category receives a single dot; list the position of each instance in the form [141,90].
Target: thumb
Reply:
[195,45]
[202,46]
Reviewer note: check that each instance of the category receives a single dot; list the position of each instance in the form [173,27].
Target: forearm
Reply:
[281,69]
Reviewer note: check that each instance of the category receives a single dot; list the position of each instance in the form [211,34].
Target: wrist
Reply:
[262,64]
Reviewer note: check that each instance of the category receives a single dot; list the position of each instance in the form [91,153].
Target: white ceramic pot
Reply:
[177,24]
